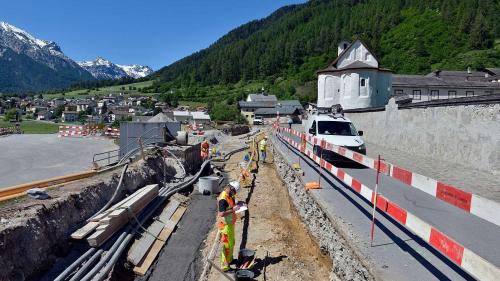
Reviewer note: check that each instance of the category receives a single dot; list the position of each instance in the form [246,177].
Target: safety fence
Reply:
[463,257]
[112,132]
[86,130]
[7,131]
[467,201]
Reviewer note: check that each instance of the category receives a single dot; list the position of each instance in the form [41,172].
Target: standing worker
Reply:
[290,121]
[226,220]
[205,146]
[262,148]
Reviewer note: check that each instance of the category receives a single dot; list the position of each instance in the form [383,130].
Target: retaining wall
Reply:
[347,264]
[466,134]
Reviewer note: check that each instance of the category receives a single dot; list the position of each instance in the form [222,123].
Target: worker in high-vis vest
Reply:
[205,146]
[226,219]
[262,149]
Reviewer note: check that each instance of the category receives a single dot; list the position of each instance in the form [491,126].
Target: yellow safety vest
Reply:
[231,218]
[262,145]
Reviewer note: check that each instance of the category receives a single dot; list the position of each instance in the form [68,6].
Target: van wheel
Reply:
[316,150]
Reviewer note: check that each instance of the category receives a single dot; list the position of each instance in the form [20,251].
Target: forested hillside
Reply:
[283,51]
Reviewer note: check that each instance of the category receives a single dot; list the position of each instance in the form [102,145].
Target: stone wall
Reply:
[328,231]
[467,134]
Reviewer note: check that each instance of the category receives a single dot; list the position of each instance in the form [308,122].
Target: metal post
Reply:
[375,201]
[142,148]
[320,161]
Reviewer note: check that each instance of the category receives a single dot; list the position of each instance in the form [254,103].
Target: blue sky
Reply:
[154,33]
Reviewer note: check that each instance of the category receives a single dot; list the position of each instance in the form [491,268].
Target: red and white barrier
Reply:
[84,131]
[112,132]
[479,206]
[72,130]
[465,258]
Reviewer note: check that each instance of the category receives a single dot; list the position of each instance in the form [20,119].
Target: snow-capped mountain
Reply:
[29,63]
[136,71]
[101,68]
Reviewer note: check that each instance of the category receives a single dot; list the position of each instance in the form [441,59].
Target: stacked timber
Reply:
[104,225]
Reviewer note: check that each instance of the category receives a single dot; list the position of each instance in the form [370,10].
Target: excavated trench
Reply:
[347,265]
[34,234]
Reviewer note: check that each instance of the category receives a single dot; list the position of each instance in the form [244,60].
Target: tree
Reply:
[11,114]
[104,108]
[115,124]
[479,35]
[59,110]
[82,117]
[156,111]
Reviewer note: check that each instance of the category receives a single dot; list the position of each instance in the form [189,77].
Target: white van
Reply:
[335,129]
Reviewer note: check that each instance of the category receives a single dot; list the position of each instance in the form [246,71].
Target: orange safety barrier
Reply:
[19,190]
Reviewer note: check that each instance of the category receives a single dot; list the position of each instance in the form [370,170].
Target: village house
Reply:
[83,105]
[269,107]
[69,116]
[200,117]
[354,79]
[439,85]
[36,108]
[57,102]
[118,114]
[44,115]
[182,116]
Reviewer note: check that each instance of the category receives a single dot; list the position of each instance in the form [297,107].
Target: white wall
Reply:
[352,95]
[466,135]
[328,86]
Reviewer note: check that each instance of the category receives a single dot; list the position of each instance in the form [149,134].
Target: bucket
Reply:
[208,185]
[181,138]
[246,253]
[243,275]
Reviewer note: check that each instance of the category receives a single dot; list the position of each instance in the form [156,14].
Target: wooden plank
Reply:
[142,245]
[146,263]
[121,216]
[85,230]
[138,203]
[118,204]
[147,239]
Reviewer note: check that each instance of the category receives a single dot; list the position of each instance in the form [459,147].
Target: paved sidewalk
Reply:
[475,181]
[25,158]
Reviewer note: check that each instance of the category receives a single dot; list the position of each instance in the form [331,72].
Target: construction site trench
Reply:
[293,238]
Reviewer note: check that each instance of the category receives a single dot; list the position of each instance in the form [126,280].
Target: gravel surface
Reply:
[330,234]
[273,225]
[25,158]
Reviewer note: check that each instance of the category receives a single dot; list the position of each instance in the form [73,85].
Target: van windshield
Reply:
[336,128]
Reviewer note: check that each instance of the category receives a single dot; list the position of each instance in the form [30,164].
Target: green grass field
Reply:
[192,104]
[103,91]
[34,127]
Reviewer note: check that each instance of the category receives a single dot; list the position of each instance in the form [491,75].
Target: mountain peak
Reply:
[33,64]
[102,68]
[24,35]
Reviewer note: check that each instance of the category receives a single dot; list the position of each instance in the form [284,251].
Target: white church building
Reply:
[354,80]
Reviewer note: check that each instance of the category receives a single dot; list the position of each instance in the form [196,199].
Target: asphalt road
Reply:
[398,254]
[25,158]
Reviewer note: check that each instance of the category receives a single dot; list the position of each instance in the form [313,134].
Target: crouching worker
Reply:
[226,220]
